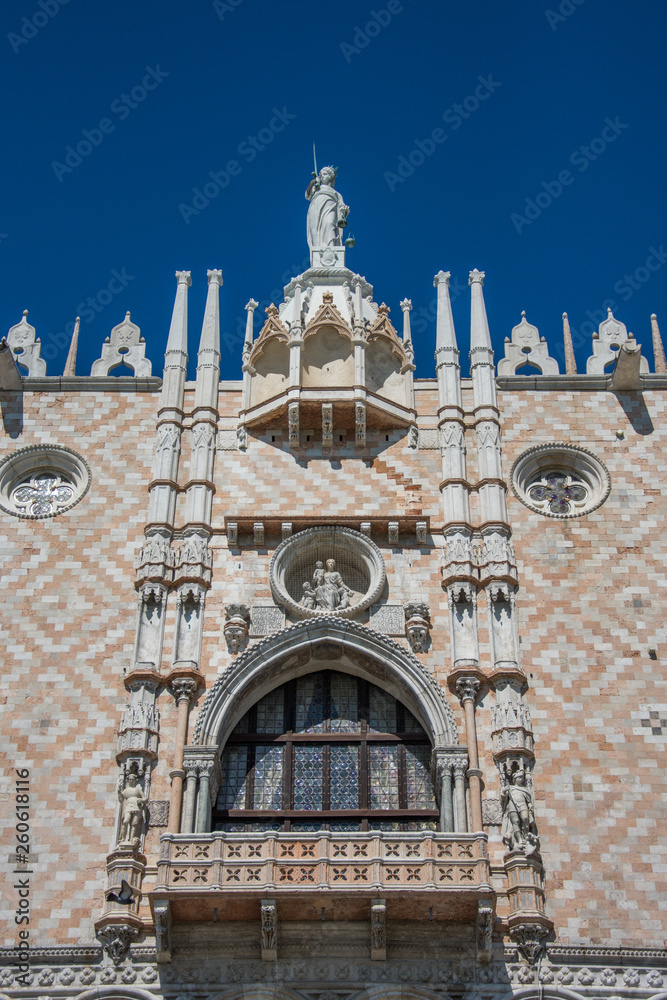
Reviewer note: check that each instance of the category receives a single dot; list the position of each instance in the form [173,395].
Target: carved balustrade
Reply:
[256,864]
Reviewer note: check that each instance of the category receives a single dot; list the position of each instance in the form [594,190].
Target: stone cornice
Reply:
[89,383]
[573,383]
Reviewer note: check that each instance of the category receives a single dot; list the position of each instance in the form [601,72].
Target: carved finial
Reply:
[406,305]
[476,276]
[184,277]
[570,360]
[523,314]
[25,312]
[70,364]
[251,305]
[442,277]
[214,276]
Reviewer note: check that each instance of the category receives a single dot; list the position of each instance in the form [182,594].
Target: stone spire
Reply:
[247,343]
[660,365]
[176,354]
[208,357]
[447,364]
[406,306]
[570,361]
[70,364]
[480,337]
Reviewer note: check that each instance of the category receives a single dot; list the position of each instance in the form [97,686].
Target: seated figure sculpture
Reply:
[328,591]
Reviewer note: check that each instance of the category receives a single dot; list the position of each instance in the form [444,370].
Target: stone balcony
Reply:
[420,870]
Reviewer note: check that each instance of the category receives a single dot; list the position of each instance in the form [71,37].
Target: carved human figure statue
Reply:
[327,212]
[518,830]
[327,591]
[133,806]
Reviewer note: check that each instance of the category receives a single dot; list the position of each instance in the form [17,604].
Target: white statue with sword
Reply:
[327,213]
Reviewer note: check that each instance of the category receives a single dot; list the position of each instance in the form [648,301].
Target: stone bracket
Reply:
[378,930]
[269,930]
[162,916]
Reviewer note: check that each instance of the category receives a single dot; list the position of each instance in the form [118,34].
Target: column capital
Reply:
[214,276]
[467,688]
[476,277]
[442,277]
[184,277]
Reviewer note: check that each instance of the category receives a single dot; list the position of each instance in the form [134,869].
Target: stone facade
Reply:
[144,619]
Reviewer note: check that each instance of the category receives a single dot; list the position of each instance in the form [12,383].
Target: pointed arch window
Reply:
[328,751]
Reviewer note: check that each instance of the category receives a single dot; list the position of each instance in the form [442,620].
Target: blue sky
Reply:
[542,87]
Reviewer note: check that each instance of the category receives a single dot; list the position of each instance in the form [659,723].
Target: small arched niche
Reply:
[327,359]
[383,370]
[271,372]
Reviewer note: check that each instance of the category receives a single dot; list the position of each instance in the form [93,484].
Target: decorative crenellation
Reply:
[526,347]
[26,347]
[123,346]
[608,342]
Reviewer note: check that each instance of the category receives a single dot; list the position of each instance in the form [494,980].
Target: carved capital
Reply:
[406,305]
[442,278]
[476,277]
[184,277]
[467,688]
[214,277]
[183,689]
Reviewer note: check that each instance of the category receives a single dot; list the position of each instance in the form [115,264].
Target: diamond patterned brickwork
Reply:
[68,632]
[592,606]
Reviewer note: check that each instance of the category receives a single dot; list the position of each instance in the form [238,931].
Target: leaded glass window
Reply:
[327,751]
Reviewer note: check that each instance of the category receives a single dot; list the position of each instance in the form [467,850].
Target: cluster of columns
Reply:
[169,566]
[480,558]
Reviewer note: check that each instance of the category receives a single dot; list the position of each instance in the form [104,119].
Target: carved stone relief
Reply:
[327,570]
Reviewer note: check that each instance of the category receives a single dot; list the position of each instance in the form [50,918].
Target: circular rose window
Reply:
[560,480]
[42,481]
[327,571]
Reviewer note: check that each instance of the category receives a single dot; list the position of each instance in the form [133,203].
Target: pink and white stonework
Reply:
[488,550]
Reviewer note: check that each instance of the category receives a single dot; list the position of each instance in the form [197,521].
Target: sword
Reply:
[315,172]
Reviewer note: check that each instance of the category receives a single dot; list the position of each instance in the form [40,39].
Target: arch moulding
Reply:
[324,643]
